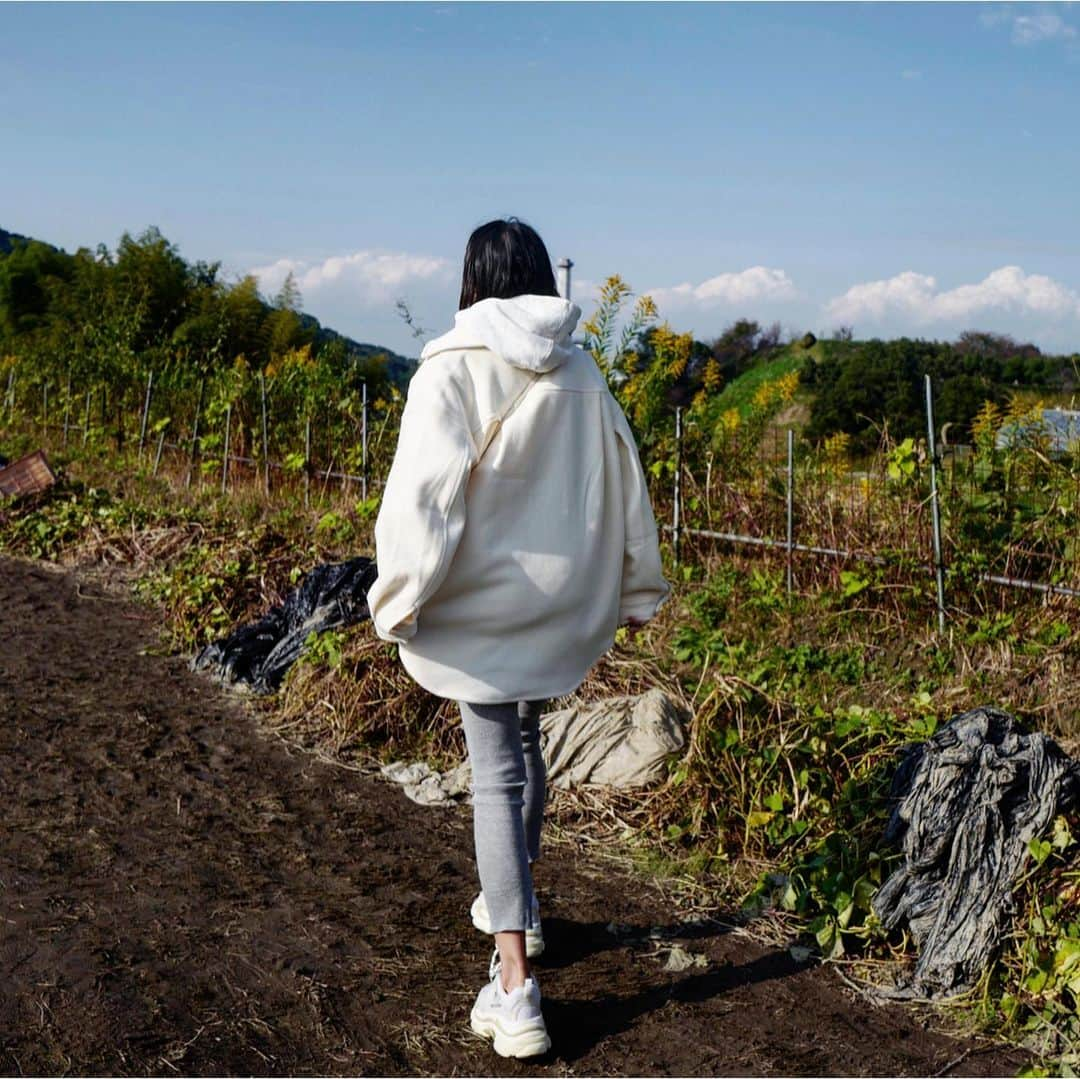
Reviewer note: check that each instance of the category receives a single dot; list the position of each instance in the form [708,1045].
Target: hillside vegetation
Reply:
[10,240]
[113,315]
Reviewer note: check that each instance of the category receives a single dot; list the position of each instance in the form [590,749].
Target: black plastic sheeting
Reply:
[260,654]
[969,801]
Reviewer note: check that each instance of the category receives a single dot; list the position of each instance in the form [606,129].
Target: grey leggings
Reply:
[508,805]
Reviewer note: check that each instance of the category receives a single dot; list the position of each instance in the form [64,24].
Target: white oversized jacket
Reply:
[515,532]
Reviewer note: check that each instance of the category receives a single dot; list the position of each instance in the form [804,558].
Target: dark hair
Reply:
[504,259]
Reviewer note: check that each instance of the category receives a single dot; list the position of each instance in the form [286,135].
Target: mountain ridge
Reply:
[10,240]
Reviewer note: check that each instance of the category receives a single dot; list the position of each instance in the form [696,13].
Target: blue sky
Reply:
[897,168]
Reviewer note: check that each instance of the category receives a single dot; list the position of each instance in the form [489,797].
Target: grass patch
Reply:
[739,393]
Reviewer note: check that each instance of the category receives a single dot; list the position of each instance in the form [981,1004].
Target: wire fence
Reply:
[243,438]
[957,516]
[1008,519]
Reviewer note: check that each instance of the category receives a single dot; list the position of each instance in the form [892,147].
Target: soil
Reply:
[181,892]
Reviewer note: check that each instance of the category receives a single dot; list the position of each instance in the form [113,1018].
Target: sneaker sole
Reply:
[528,1043]
[534,938]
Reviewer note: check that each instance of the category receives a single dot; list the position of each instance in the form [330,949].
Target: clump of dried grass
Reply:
[366,707]
[140,548]
[632,668]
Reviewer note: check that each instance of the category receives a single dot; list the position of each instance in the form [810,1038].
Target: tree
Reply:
[25,286]
[150,276]
[860,386]
[741,345]
[288,297]
[244,312]
[996,346]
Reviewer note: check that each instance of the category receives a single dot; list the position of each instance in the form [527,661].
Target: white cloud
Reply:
[1028,29]
[916,297]
[369,277]
[1031,29]
[728,289]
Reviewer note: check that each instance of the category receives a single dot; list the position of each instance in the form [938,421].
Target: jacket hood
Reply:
[530,332]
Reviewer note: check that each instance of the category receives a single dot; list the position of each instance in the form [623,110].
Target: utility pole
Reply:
[565,266]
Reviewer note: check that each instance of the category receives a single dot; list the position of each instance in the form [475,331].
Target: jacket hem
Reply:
[643,611]
[390,619]
[474,691]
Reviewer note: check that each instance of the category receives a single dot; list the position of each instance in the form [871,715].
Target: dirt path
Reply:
[180,893]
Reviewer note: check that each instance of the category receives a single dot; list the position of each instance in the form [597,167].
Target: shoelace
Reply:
[495,966]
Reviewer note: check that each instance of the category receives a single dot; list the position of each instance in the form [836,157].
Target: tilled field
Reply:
[182,893]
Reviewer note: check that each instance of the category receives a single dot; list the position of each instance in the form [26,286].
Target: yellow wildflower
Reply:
[730,420]
[787,385]
[711,376]
[763,395]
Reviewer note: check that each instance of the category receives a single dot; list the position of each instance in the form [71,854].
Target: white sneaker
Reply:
[513,1019]
[534,938]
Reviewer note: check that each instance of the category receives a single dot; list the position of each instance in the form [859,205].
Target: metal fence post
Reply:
[363,444]
[225,455]
[67,407]
[790,508]
[676,520]
[145,413]
[265,441]
[935,510]
[117,405]
[160,448]
[195,432]
[307,462]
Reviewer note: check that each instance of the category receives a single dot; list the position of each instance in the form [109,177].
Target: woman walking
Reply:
[515,535]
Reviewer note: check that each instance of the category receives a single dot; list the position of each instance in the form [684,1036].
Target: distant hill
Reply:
[10,240]
[400,368]
[739,393]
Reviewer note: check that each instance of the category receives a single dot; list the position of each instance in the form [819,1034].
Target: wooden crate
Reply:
[26,475]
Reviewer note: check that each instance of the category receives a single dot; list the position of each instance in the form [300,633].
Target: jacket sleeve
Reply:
[422,515]
[644,589]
